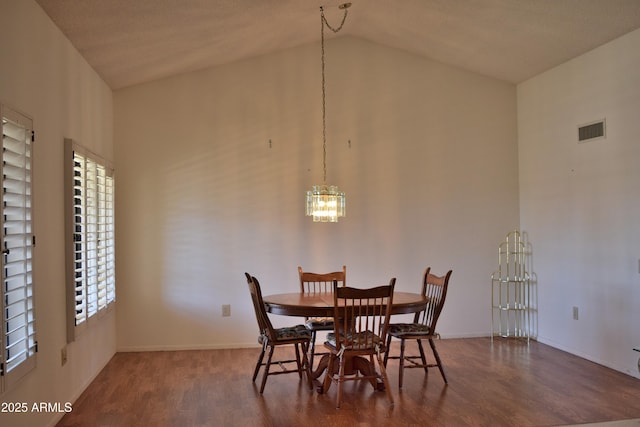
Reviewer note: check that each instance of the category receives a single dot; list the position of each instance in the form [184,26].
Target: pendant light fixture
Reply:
[325,203]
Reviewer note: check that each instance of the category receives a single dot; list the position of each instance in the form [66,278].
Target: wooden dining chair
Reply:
[361,318]
[319,283]
[423,327]
[298,336]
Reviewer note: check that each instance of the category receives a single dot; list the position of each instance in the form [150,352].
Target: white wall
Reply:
[580,203]
[44,77]
[431,179]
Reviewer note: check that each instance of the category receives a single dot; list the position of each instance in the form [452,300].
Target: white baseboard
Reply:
[186,347]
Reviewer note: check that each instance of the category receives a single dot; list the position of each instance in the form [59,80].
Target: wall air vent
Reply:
[591,131]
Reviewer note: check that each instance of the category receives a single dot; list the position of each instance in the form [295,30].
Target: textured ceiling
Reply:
[134,41]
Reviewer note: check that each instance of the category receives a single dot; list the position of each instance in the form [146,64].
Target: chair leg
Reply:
[265,374]
[340,380]
[438,361]
[298,360]
[313,347]
[328,375]
[401,372]
[385,379]
[423,357]
[386,353]
[305,365]
[255,372]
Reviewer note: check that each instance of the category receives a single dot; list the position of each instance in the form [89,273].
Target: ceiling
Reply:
[134,41]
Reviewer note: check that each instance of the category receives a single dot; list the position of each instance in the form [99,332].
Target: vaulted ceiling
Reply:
[134,41]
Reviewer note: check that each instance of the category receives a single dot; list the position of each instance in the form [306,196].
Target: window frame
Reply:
[89,223]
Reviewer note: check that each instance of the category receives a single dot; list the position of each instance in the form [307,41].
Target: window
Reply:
[19,345]
[90,256]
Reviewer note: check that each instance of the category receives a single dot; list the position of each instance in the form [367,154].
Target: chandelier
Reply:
[325,203]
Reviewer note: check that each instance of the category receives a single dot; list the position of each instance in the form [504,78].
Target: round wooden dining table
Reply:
[322,305]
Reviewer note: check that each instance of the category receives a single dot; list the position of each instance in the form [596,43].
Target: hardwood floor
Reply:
[504,383]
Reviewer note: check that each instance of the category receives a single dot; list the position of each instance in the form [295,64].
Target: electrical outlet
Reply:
[63,355]
[575,313]
[226,310]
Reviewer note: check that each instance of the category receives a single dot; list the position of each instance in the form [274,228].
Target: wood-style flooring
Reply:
[501,383]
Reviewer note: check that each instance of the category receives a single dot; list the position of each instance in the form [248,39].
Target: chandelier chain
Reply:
[323,22]
[344,7]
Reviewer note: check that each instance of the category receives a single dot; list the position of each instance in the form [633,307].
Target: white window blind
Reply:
[90,222]
[19,344]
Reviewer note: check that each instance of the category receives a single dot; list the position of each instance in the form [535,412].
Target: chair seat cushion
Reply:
[293,332]
[399,329]
[289,333]
[360,341]
[319,323]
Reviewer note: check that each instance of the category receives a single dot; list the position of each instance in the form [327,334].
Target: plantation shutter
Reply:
[18,318]
[91,263]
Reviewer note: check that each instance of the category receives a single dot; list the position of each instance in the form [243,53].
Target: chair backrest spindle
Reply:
[363,316]
[435,289]
[321,282]
[264,323]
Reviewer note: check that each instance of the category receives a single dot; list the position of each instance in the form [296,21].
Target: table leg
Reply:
[354,365]
[322,366]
